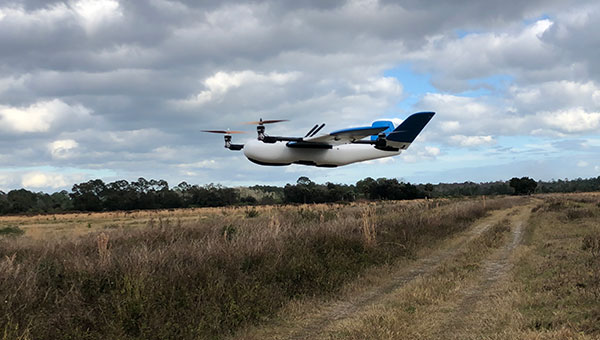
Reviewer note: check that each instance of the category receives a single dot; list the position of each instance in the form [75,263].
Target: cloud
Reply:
[221,82]
[432,151]
[205,164]
[420,153]
[36,180]
[38,117]
[572,120]
[555,108]
[478,55]
[387,85]
[449,126]
[570,37]
[555,94]
[471,141]
[62,149]
[94,13]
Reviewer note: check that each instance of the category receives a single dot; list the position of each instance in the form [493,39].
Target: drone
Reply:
[333,149]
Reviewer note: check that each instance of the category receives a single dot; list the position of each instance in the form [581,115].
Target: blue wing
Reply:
[346,136]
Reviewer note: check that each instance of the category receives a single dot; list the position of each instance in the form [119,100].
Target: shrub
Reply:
[11,231]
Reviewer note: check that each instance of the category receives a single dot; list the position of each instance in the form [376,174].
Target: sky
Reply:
[117,90]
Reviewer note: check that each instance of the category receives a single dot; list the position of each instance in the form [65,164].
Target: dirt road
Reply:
[459,311]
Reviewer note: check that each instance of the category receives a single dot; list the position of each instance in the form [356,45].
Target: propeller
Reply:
[267,121]
[226,132]
[260,126]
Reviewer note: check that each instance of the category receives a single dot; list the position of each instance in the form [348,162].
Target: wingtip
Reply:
[425,113]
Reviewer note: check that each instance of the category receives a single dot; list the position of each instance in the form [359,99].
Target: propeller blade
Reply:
[268,121]
[226,132]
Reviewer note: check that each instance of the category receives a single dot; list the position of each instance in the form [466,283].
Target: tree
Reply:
[366,187]
[120,195]
[523,185]
[4,206]
[303,180]
[88,196]
[184,191]
[20,201]
[61,201]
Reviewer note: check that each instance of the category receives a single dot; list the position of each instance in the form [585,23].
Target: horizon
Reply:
[172,186]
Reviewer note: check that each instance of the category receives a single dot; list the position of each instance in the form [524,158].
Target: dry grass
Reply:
[201,273]
[420,309]
[559,268]
[368,225]
[551,292]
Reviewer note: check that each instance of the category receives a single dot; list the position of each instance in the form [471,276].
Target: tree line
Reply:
[96,195]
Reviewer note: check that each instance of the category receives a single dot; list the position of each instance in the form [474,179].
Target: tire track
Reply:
[340,310]
[463,323]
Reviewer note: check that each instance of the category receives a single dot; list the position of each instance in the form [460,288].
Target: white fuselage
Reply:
[280,154]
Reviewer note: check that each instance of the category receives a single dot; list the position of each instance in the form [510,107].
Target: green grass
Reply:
[11,231]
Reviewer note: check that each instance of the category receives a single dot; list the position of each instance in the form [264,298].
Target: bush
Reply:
[11,231]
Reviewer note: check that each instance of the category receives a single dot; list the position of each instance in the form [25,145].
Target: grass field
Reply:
[230,272]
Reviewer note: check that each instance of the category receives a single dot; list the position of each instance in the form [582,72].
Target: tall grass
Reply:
[559,271]
[206,277]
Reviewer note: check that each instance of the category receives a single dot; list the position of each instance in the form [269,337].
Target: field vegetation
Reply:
[559,268]
[202,273]
[535,274]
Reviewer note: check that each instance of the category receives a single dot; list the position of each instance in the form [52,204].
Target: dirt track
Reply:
[456,321]
[466,319]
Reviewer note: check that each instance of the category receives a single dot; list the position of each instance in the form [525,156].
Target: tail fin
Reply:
[410,128]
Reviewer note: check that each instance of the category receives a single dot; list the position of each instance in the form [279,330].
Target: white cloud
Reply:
[39,179]
[128,138]
[457,108]
[554,95]
[205,164]
[573,120]
[432,151]
[94,13]
[221,82]
[553,109]
[420,152]
[90,14]
[385,160]
[470,141]
[449,126]
[384,85]
[62,149]
[38,117]
[481,55]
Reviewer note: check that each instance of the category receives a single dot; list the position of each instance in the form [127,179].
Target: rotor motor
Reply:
[260,129]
